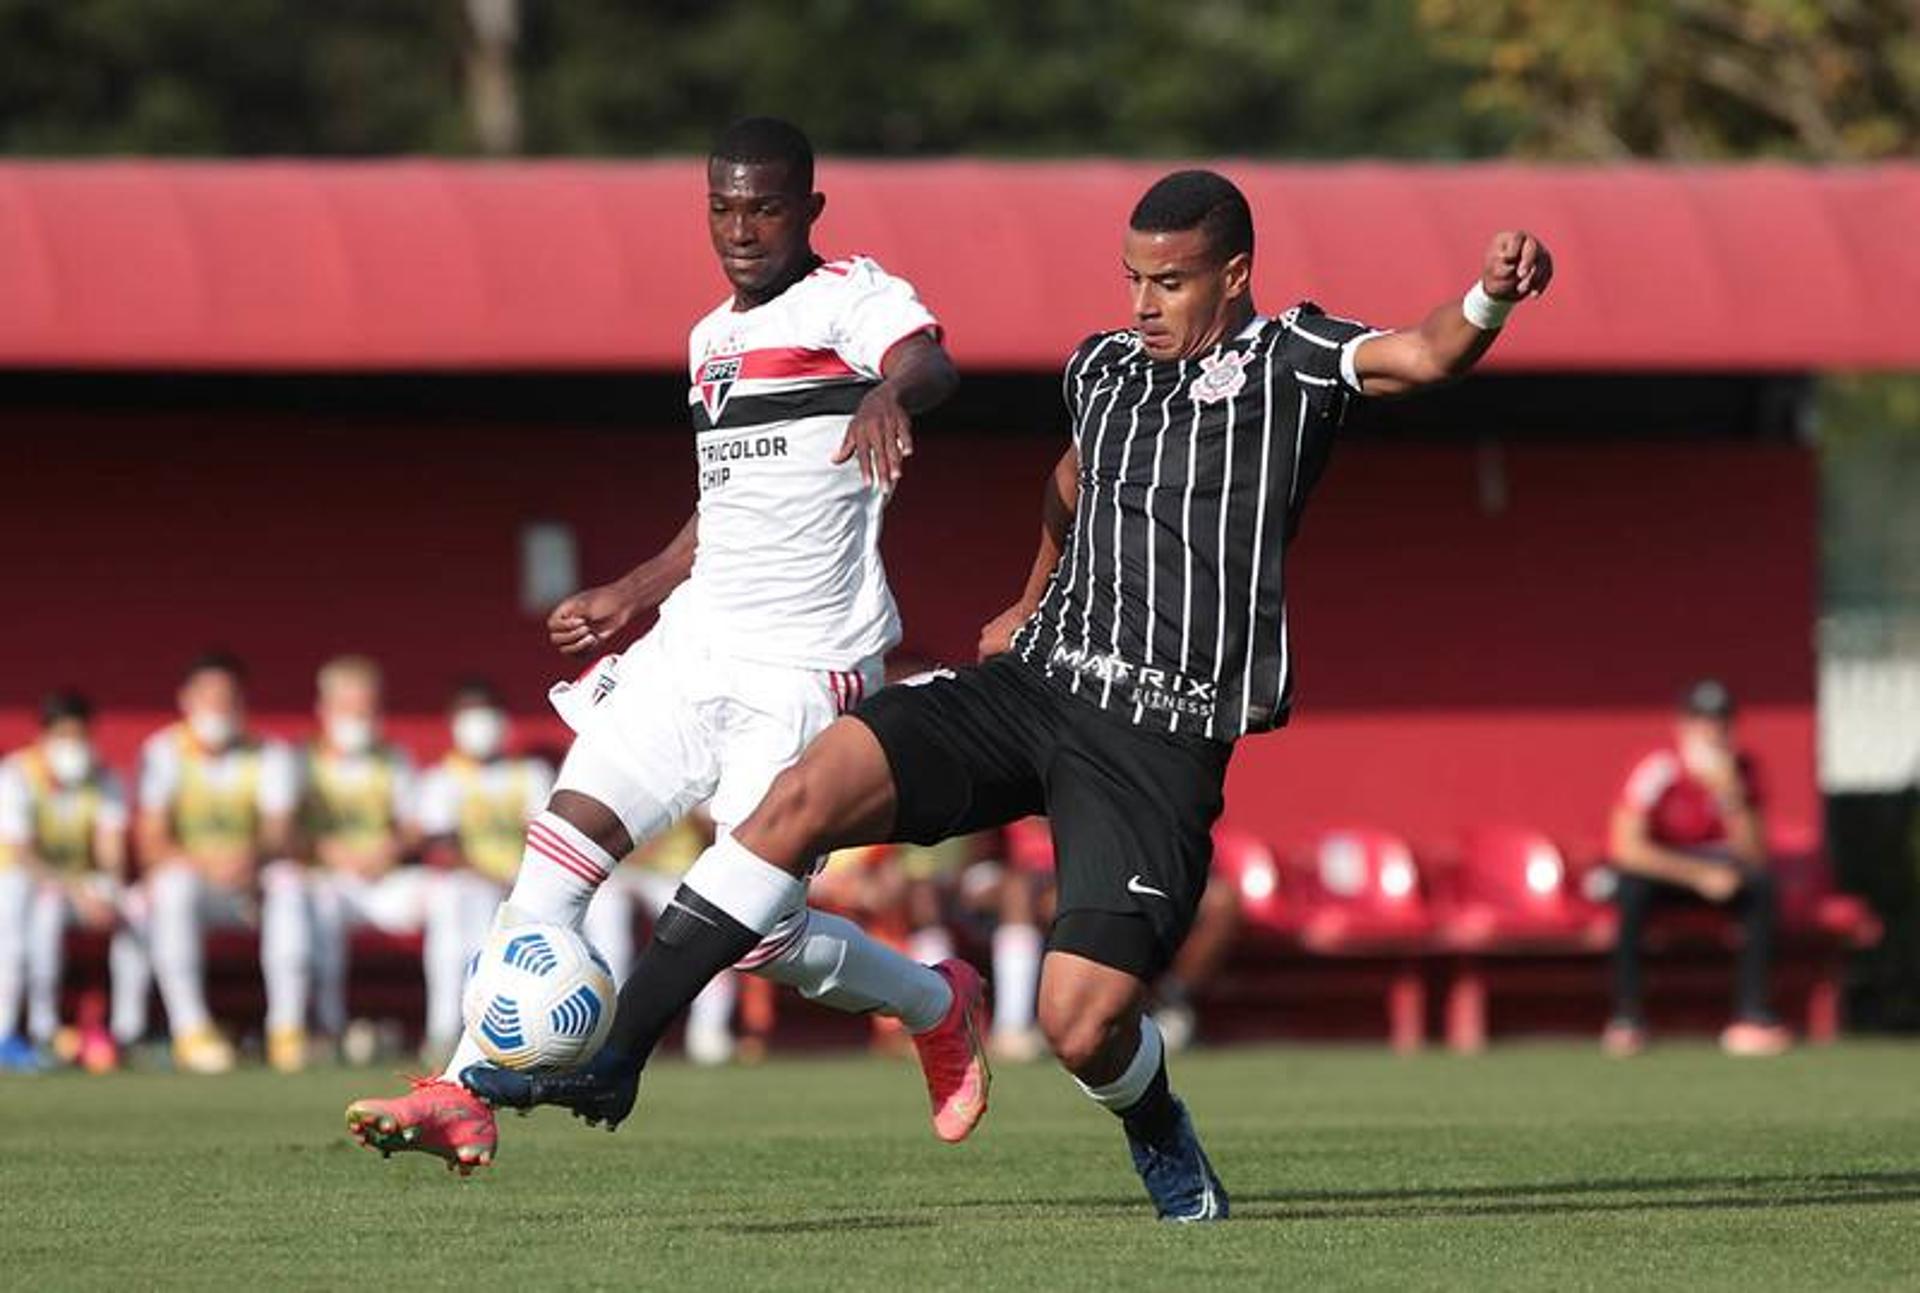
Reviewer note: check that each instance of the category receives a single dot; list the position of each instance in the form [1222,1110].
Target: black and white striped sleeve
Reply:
[1319,348]
[1073,378]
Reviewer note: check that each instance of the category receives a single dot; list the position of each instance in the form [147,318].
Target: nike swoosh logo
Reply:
[696,915]
[1136,885]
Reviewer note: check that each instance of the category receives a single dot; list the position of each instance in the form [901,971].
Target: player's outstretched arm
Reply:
[1056,515]
[917,375]
[589,621]
[1451,339]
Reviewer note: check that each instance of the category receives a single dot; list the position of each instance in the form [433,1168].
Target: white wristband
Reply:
[1483,311]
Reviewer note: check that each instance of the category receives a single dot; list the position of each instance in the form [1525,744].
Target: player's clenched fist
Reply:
[590,620]
[1518,266]
[880,438]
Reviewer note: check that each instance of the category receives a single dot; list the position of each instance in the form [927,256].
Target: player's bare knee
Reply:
[1083,1046]
[1078,1034]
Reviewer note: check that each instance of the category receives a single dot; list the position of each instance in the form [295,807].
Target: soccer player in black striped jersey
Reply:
[1152,634]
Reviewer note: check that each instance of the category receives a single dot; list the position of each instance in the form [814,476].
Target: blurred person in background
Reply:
[652,872]
[63,860]
[1687,829]
[1023,904]
[474,808]
[357,817]
[215,831]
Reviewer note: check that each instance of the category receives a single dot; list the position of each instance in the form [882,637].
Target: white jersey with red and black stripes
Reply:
[788,570]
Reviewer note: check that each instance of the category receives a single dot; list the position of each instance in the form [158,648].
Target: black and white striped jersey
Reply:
[1169,602]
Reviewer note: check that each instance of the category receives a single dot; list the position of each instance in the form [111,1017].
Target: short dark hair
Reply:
[768,139]
[1201,200]
[65,704]
[215,661]
[1707,698]
[475,691]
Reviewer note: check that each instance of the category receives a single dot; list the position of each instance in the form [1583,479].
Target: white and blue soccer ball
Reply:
[539,998]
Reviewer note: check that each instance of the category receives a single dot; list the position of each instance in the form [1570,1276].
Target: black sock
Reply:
[692,942]
[1154,1117]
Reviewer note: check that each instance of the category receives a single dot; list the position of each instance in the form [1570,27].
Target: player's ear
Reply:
[1237,274]
[816,203]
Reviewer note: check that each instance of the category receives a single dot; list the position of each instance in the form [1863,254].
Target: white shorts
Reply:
[686,724]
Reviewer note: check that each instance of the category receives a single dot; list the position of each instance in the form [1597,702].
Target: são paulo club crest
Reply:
[717,376]
[1221,377]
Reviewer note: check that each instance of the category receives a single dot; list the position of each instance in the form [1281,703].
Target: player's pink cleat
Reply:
[953,1058]
[437,1117]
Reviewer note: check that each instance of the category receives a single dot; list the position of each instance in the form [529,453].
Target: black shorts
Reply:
[1132,811]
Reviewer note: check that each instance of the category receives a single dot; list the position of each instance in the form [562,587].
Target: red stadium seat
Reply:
[1510,892]
[1360,895]
[1253,869]
[1819,924]
[1511,889]
[1362,891]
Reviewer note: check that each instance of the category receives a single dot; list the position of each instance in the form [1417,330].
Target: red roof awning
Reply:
[568,265]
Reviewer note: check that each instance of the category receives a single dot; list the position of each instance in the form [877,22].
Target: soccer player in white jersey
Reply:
[804,385]
[215,832]
[63,855]
[357,819]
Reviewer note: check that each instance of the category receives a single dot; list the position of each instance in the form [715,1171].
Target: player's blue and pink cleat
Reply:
[437,1117]
[1178,1177]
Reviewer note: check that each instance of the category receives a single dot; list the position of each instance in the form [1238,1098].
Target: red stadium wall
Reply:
[1482,632]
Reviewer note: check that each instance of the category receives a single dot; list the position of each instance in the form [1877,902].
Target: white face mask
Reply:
[350,734]
[69,758]
[479,733]
[212,728]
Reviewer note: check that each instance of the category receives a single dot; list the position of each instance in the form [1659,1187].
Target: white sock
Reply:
[16,901]
[746,886]
[831,960]
[289,949]
[930,944]
[131,975]
[465,1056]
[560,871]
[609,927]
[1016,977]
[1125,1091]
[46,930]
[178,949]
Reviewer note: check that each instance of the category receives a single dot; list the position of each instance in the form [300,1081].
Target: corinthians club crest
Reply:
[1221,377]
[717,376]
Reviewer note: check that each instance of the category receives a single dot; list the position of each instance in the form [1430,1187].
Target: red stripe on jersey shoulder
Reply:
[838,267]
[786,362]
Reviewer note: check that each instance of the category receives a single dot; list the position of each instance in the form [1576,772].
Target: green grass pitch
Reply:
[1539,1167]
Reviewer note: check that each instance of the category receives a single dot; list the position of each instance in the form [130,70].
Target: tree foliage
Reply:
[249,77]
[1827,80]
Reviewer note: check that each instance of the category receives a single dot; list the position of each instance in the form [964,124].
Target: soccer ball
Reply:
[539,998]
